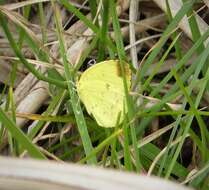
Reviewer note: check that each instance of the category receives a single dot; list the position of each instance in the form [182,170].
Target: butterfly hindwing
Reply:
[101,90]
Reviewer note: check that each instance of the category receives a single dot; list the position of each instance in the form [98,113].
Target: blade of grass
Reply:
[38,48]
[29,35]
[190,118]
[43,23]
[122,58]
[113,155]
[195,112]
[166,113]
[197,69]
[81,123]
[182,62]
[188,72]
[20,136]
[77,149]
[104,143]
[151,151]
[198,177]
[26,12]
[161,154]
[169,30]
[127,154]
[104,30]
[18,53]
[13,144]
[159,64]
[88,23]
[194,28]
[93,9]
[86,53]
[174,35]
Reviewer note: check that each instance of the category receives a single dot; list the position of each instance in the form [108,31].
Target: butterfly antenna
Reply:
[91,62]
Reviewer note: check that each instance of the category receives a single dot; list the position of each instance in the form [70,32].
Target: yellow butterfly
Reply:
[101,90]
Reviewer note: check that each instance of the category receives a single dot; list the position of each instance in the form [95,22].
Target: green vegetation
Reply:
[48,44]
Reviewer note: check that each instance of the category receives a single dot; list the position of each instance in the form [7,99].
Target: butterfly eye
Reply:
[91,63]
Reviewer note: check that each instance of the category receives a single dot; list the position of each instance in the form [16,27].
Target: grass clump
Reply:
[44,47]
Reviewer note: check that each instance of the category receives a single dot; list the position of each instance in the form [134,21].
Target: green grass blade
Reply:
[127,157]
[81,123]
[122,58]
[159,64]
[188,124]
[174,35]
[171,27]
[104,143]
[104,31]
[88,23]
[22,139]
[18,53]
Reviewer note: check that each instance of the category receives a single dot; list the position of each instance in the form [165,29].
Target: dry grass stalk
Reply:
[184,25]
